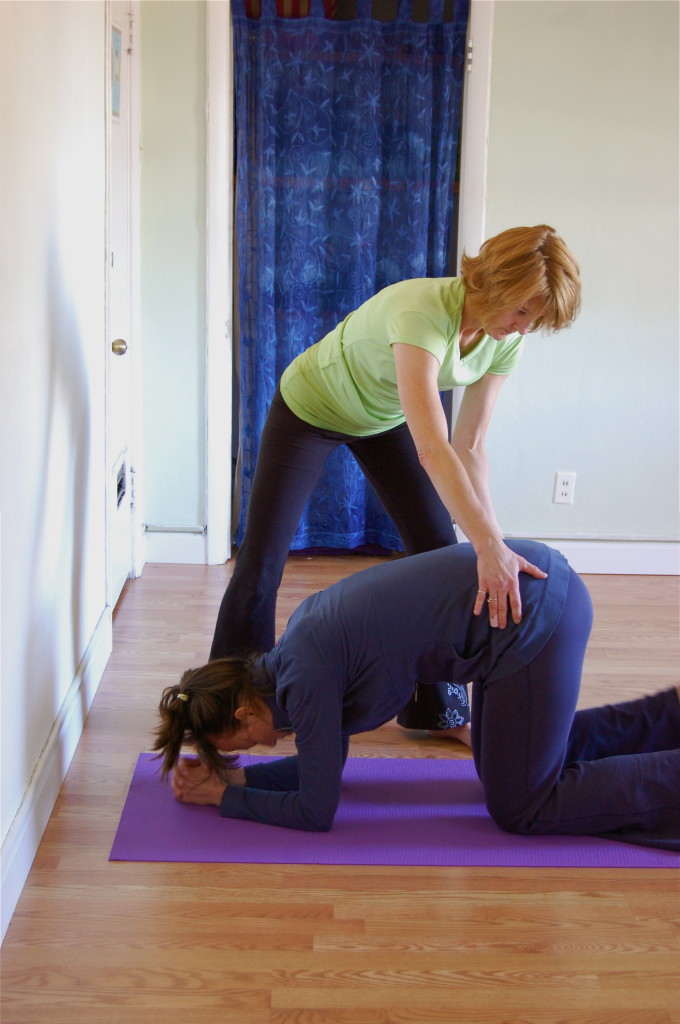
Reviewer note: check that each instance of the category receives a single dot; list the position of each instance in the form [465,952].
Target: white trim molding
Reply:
[137,467]
[178,547]
[611,556]
[219,282]
[599,557]
[475,128]
[619,557]
[24,835]
[474,144]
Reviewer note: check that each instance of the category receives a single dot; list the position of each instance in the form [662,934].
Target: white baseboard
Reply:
[619,557]
[23,838]
[600,557]
[180,548]
[612,557]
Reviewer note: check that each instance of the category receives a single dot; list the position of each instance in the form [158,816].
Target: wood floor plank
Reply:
[418,1014]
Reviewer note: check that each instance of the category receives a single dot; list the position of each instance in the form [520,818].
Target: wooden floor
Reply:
[125,943]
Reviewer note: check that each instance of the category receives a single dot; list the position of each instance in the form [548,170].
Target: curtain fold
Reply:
[346,140]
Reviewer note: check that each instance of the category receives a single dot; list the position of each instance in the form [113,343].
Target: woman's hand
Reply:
[193,783]
[498,569]
[459,472]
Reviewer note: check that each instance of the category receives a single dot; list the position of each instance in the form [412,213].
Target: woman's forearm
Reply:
[464,491]
[462,484]
[476,466]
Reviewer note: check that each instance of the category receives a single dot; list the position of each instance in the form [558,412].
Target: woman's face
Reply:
[514,321]
[256,729]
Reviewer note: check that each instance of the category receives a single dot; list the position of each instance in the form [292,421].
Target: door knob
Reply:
[119,347]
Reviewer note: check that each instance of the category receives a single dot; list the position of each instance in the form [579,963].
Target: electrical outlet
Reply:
[563,490]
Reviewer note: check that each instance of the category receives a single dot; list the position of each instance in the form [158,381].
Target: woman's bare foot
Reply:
[462,733]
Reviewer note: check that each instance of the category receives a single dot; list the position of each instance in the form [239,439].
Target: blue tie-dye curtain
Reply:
[347,138]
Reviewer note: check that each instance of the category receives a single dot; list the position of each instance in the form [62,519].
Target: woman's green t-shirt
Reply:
[347,382]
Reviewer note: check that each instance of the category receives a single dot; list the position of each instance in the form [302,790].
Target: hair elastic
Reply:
[183,696]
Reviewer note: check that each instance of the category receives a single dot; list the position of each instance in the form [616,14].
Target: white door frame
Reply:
[137,552]
[219,280]
[138,535]
[474,143]
[475,128]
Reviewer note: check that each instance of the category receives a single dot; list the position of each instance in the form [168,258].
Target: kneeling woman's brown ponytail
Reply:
[204,704]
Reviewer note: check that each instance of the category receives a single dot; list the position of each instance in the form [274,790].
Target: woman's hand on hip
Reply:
[498,569]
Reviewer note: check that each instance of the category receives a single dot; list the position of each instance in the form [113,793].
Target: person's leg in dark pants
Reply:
[641,726]
[521,723]
[290,460]
[391,465]
[523,748]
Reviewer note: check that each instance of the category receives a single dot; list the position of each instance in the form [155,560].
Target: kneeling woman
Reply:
[349,660]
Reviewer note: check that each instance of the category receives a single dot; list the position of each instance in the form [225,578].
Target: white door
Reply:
[120,334]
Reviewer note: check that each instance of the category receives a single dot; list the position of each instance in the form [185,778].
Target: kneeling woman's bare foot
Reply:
[463,733]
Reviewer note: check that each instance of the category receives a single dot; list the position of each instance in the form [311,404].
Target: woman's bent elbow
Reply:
[425,459]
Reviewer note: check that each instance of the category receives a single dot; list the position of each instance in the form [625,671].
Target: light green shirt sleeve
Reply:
[421,330]
[507,355]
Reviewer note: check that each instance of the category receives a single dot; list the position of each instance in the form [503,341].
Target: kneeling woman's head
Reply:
[217,709]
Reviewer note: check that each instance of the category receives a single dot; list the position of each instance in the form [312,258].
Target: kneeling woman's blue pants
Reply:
[548,769]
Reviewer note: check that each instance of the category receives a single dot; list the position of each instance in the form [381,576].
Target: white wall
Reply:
[55,631]
[583,135]
[173,167]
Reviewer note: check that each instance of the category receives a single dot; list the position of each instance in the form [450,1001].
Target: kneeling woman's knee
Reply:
[511,817]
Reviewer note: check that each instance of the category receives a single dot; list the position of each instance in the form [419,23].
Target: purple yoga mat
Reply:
[396,811]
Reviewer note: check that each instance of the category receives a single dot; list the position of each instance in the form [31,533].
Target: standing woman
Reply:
[373,384]
[352,654]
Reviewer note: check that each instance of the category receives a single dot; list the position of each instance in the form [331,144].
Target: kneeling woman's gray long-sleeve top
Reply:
[351,657]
